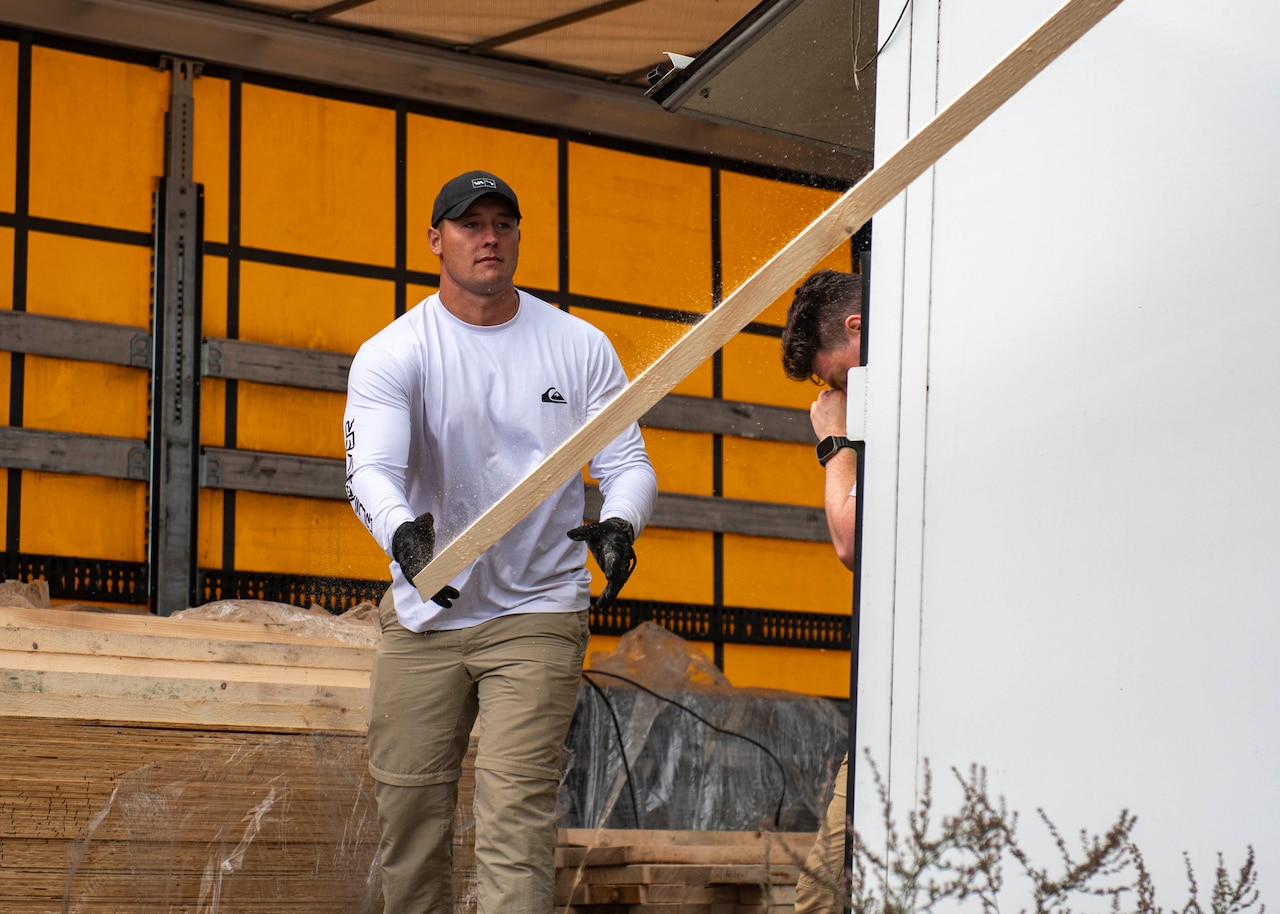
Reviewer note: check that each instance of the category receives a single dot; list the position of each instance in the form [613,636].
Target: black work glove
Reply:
[610,542]
[413,545]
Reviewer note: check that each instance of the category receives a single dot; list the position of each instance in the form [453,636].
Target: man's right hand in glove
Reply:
[413,545]
[610,543]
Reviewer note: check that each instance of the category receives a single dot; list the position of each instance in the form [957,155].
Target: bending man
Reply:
[822,340]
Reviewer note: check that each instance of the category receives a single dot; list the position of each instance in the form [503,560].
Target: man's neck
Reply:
[481,310]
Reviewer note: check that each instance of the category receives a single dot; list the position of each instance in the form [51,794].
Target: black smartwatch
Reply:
[828,446]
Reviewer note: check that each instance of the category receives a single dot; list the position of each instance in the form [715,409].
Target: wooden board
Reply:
[167,638]
[638,837]
[69,338]
[673,853]
[245,634]
[323,477]
[68,452]
[127,668]
[836,225]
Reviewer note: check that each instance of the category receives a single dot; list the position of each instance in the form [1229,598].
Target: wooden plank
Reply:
[25,633]
[739,418]
[172,678]
[588,894]
[322,477]
[746,518]
[676,511]
[128,853]
[767,894]
[631,837]
[198,714]
[278,474]
[591,896]
[289,366]
[68,452]
[756,854]
[690,874]
[590,856]
[585,894]
[315,369]
[836,225]
[674,908]
[320,370]
[68,338]
[160,626]
[661,893]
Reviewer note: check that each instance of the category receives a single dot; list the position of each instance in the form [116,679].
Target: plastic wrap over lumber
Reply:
[101,818]
[698,757]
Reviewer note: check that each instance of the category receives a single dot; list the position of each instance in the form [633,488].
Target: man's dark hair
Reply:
[816,318]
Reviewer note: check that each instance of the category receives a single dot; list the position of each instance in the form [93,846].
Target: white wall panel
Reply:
[1093,428]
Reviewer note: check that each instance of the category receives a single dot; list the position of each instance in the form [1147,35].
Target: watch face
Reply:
[828,446]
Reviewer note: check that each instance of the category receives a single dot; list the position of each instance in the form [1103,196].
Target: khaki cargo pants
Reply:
[821,888]
[515,678]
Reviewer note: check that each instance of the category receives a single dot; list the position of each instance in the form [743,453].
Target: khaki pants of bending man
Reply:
[820,889]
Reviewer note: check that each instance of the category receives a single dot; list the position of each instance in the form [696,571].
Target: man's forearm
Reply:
[841,506]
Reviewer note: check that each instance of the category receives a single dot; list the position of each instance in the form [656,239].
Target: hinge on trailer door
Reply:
[139,464]
[210,472]
[212,359]
[140,350]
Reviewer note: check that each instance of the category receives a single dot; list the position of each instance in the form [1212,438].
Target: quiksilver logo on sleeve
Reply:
[551,395]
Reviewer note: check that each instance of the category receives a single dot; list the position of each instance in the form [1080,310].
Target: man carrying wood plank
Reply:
[447,409]
[822,340]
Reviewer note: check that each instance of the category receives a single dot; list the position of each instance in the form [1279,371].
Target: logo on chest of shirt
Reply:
[551,395]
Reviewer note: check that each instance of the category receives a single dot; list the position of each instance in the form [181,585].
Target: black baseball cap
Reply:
[462,191]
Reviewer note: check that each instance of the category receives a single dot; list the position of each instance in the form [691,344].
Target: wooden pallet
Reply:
[678,872]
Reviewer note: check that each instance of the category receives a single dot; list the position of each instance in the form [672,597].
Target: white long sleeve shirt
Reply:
[446,416]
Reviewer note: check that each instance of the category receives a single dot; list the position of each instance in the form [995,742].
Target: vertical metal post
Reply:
[175,368]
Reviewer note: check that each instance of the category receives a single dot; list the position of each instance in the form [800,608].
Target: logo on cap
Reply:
[484,182]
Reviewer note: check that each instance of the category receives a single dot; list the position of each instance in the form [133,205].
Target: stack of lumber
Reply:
[678,872]
[130,818]
[212,766]
[171,764]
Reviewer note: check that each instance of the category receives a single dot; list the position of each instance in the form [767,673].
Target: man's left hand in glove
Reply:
[610,543]
[413,546]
